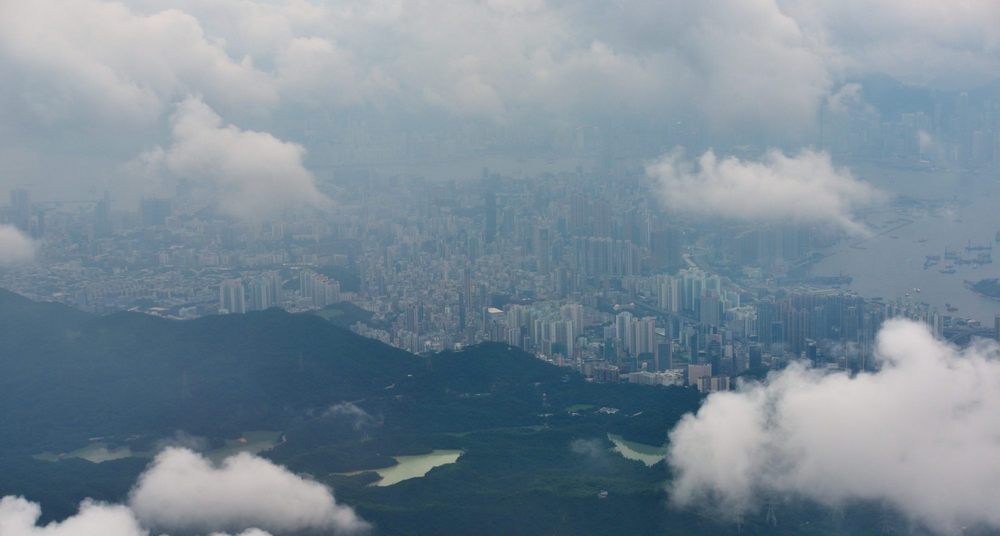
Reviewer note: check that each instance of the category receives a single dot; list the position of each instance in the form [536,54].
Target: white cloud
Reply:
[98,78]
[803,188]
[937,42]
[251,175]
[765,65]
[315,71]
[101,61]
[737,61]
[921,433]
[848,98]
[358,416]
[590,448]
[15,246]
[19,517]
[183,491]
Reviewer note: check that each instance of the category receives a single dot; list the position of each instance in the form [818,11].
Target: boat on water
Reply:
[971,247]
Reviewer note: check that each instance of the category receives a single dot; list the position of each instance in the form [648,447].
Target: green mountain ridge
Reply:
[345,404]
[67,376]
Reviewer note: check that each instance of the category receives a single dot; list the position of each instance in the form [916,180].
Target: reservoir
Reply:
[640,452]
[408,467]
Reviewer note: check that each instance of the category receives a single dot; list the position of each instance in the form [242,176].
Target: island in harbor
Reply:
[986,287]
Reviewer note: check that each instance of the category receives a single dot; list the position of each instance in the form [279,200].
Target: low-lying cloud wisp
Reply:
[15,246]
[183,492]
[920,434]
[804,188]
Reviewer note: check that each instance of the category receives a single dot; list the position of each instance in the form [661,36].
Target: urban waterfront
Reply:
[949,212]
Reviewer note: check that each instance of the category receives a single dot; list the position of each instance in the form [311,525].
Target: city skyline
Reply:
[276,267]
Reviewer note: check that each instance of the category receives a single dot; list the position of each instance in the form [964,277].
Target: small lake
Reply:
[640,452]
[408,467]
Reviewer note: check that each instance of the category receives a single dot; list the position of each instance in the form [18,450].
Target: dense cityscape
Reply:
[583,268]
[495,267]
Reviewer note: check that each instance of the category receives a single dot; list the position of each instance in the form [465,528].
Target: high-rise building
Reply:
[664,356]
[645,335]
[232,297]
[623,323]
[154,211]
[318,288]
[713,384]
[102,217]
[490,216]
[715,354]
[20,211]
[756,356]
[695,373]
[265,291]
[574,313]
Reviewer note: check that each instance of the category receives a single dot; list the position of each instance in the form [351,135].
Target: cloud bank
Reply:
[93,82]
[183,492]
[250,175]
[499,60]
[735,62]
[19,517]
[803,188]
[921,433]
[15,246]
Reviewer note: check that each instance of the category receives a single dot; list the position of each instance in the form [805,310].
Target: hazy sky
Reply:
[129,96]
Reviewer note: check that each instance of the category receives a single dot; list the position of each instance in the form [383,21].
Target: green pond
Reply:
[640,452]
[408,467]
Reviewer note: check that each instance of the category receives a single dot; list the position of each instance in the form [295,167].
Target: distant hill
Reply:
[537,455]
[66,376]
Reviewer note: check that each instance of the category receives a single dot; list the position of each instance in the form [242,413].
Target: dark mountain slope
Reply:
[66,376]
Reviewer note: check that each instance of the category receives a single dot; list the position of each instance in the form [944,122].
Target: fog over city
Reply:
[499,267]
[94,84]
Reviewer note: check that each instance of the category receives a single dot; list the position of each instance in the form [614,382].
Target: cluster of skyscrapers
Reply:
[583,268]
